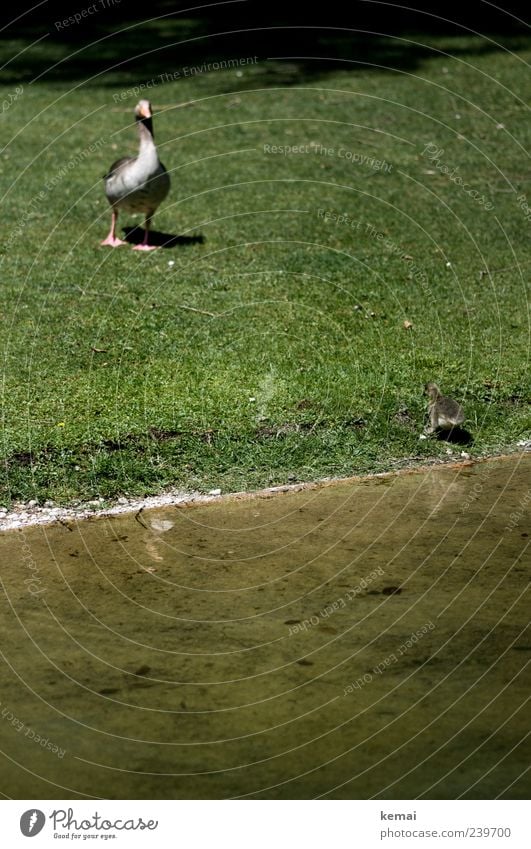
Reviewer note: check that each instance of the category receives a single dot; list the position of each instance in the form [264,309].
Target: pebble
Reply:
[214,492]
[122,500]
[49,504]
[33,503]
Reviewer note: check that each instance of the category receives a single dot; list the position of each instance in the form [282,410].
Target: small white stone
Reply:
[252,400]
[122,500]
[171,262]
[33,503]
[214,492]
[49,503]
[423,436]
[465,455]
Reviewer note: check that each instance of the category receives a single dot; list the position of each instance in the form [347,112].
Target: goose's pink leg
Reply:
[112,240]
[145,246]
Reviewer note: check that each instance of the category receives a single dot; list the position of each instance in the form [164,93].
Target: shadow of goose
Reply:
[135,235]
[456,436]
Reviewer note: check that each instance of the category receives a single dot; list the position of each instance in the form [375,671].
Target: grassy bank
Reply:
[268,343]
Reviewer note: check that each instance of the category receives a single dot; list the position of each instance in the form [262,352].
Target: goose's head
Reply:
[432,391]
[143,110]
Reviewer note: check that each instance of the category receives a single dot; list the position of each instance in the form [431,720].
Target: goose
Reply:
[444,412]
[137,183]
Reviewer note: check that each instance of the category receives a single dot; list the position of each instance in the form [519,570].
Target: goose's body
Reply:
[137,183]
[444,412]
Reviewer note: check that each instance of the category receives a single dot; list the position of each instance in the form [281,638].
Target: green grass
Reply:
[267,307]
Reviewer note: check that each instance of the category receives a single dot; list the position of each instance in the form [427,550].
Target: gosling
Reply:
[444,412]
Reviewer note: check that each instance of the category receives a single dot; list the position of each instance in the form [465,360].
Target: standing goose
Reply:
[137,183]
[444,412]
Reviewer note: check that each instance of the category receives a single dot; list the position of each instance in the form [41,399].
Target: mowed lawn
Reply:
[269,343]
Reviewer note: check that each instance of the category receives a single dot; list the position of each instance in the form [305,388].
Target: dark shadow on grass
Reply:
[135,235]
[121,46]
[456,436]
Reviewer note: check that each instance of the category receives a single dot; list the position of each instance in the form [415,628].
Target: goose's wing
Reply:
[118,166]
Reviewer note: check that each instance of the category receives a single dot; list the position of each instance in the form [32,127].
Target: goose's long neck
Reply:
[146,137]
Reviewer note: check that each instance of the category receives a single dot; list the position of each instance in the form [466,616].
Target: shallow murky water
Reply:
[351,641]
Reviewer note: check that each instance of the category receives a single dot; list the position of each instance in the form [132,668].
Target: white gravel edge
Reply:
[29,514]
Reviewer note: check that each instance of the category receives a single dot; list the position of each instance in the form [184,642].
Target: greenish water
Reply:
[352,641]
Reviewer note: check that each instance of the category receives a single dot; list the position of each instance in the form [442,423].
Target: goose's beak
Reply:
[143,109]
